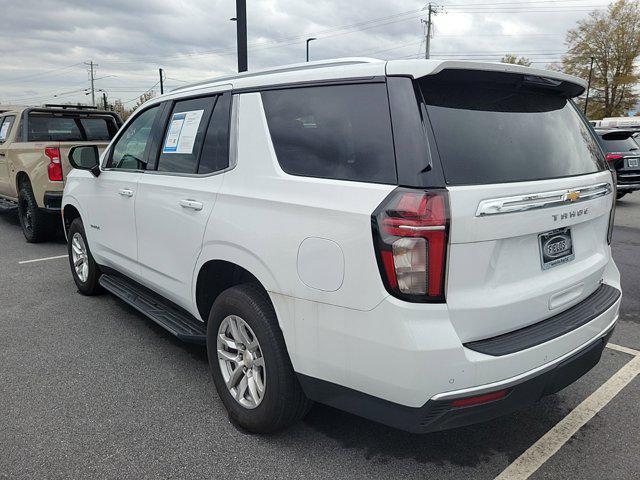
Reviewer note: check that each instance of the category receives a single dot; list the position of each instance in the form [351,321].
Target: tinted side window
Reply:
[5,127]
[215,153]
[340,132]
[129,149]
[184,135]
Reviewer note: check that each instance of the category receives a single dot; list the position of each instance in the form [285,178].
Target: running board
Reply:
[177,321]
[7,206]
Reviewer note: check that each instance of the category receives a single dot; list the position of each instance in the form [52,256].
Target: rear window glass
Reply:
[619,145]
[70,129]
[339,132]
[492,133]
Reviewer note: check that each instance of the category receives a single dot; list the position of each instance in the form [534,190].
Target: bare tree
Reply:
[511,58]
[144,98]
[612,40]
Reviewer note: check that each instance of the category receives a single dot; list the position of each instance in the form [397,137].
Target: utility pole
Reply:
[586,100]
[428,29]
[241,32]
[104,100]
[93,88]
[161,72]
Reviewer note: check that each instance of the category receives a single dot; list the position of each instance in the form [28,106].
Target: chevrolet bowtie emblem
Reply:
[572,196]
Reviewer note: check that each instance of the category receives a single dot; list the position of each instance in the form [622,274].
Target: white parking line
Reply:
[42,259]
[620,348]
[538,453]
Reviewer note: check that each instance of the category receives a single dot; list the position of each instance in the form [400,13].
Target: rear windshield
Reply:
[619,145]
[487,132]
[70,128]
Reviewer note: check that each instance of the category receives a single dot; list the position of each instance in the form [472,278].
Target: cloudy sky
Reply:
[45,43]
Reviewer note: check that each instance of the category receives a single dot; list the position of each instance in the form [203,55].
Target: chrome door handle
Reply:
[192,204]
[126,192]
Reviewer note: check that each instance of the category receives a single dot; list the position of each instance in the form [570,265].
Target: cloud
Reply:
[43,43]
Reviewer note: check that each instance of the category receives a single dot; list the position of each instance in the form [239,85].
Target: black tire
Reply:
[90,286]
[283,402]
[37,225]
[619,195]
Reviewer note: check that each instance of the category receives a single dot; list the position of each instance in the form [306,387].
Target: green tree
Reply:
[612,40]
[511,58]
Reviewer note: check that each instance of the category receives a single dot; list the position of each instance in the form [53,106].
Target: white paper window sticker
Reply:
[4,130]
[183,129]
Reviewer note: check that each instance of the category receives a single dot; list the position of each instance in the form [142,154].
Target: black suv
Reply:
[623,155]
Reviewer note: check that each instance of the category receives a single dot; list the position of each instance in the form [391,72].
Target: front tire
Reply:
[37,225]
[249,362]
[619,195]
[84,269]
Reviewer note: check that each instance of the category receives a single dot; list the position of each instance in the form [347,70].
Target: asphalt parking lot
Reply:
[89,388]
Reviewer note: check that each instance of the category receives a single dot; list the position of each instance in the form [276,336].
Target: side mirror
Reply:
[85,157]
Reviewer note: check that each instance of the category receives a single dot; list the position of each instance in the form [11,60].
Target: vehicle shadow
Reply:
[11,219]
[467,446]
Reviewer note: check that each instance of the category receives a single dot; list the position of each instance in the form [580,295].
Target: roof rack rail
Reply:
[70,107]
[332,62]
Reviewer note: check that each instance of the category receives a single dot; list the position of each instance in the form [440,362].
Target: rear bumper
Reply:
[439,413]
[52,201]
[628,187]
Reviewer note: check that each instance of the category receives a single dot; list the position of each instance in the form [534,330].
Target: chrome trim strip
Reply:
[422,229]
[555,198]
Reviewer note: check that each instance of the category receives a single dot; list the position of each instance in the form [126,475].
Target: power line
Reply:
[44,72]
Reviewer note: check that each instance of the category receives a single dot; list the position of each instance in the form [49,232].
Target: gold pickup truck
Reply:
[34,147]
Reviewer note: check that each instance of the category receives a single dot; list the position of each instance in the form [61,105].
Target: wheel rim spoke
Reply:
[235,376]
[241,361]
[253,390]
[242,389]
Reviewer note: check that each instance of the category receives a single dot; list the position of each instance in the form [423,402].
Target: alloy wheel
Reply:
[80,257]
[241,361]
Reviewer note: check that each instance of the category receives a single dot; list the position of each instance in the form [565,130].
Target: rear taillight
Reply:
[612,158]
[410,232]
[54,169]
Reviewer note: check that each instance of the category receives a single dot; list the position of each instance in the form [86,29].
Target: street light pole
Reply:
[241,32]
[586,100]
[309,40]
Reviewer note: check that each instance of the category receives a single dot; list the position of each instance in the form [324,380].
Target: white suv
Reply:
[422,243]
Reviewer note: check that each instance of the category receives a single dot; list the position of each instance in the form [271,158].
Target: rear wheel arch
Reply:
[216,276]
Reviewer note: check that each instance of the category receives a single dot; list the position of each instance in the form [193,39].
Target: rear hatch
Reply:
[530,199]
[623,153]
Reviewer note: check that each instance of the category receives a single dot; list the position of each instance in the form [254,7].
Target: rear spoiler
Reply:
[24,118]
[618,134]
[567,85]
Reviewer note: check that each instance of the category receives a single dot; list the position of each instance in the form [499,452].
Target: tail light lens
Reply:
[612,158]
[410,230]
[54,169]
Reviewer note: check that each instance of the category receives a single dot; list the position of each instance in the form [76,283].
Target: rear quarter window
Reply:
[505,132]
[340,132]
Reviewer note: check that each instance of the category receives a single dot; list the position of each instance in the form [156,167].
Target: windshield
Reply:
[488,132]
